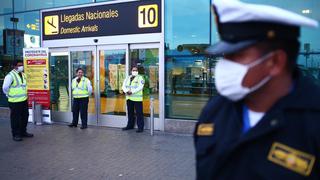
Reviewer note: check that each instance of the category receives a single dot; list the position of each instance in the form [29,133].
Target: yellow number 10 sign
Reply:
[148,16]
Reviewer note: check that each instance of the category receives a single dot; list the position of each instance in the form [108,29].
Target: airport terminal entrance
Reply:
[105,39]
[106,66]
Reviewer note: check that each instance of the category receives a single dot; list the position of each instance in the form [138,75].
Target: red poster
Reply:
[40,97]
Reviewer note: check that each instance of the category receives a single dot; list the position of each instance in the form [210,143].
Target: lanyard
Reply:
[245,119]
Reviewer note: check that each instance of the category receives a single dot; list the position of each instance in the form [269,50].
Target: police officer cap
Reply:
[242,24]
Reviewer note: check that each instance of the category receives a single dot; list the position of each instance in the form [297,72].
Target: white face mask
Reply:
[229,76]
[20,68]
[134,73]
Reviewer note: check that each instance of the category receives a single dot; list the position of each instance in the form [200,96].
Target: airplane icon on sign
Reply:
[51,25]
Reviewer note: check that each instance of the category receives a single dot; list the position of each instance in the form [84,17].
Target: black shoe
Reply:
[17,138]
[72,125]
[28,135]
[139,131]
[126,128]
[83,127]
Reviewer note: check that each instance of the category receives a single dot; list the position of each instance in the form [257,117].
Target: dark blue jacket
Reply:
[284,145]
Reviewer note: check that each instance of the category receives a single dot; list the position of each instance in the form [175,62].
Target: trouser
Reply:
[19,115]
[80,105]
[135,106]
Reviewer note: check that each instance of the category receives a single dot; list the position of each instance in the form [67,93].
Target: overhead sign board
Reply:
[124,18]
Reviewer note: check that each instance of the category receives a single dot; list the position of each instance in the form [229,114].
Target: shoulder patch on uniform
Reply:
[293,159]
[205,129]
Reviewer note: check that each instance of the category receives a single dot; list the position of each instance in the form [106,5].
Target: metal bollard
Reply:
[36,113]
[33,110]
[151,116]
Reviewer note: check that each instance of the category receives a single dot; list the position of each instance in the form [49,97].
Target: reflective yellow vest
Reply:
[80,90]
[18,89]
[137,82]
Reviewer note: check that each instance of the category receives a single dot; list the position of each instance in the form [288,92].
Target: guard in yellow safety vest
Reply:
[15,88]
[81,90]
[133,88]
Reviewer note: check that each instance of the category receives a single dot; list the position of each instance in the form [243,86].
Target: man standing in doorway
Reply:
[15,88]
[81,90]
[133,88]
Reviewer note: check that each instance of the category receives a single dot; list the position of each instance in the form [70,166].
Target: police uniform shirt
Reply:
[285,142]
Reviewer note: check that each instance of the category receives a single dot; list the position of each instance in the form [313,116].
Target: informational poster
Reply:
[36,68]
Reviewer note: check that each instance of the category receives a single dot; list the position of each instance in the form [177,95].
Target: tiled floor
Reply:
[59,152]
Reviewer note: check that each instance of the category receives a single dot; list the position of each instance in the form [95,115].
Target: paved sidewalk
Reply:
[59,152]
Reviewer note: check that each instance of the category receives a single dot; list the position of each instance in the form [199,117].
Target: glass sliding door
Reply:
[84,57]
[59,86]
[60,97]
[112,72]
[107,104]
[146,57]
[115,62]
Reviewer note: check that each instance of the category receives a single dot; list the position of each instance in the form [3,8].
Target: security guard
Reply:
[81,90]
[15,88]
[133,88]
[265,123]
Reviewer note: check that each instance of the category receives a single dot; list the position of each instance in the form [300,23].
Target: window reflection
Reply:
[6,6]
[5,59]
[309,56]
[59,89]
[189,72]
[29,23]
[112,75]
[147,61]
[189,82]
[27,5]
[187,22]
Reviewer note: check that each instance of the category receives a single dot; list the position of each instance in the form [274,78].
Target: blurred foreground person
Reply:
[265,122]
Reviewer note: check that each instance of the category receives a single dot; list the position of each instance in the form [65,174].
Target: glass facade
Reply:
[29,5]
[189,29]
[188,71]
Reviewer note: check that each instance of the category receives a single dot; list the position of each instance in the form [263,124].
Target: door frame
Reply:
[120,121]
[158,122]
[59,116]
[112,120]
